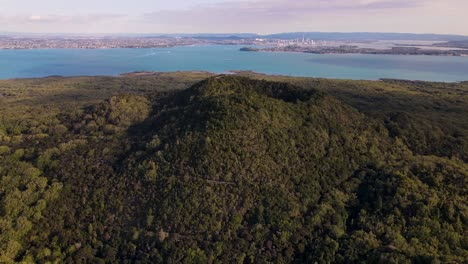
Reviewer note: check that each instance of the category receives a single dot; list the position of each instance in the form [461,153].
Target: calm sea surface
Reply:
[66,62]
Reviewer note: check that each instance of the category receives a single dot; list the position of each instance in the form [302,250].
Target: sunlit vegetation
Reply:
[177,168]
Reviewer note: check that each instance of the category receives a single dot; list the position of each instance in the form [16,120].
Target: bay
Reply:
[222,58]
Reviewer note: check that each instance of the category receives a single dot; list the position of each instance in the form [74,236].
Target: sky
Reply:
[233,16]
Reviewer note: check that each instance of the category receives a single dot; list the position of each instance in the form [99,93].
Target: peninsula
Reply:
[352,49]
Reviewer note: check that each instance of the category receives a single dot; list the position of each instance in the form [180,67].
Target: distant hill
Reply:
[287,35]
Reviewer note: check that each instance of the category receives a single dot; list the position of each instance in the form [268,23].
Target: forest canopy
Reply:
[246,168]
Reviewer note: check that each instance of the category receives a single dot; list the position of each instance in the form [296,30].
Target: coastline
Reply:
[451,53]
[246,73]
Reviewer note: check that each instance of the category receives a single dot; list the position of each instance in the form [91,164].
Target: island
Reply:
[249,49]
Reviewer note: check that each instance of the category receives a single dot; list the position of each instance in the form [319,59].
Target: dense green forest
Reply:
[191,167]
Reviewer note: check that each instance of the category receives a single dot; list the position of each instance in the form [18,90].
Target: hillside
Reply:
[233,169]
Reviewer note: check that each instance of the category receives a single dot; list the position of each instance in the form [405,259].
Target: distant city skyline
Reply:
[231,16]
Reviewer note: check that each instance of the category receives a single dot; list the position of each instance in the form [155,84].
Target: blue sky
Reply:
[214,16]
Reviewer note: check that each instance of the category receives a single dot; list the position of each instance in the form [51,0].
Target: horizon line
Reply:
[231,33]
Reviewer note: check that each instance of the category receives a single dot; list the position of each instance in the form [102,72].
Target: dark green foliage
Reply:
[235,170]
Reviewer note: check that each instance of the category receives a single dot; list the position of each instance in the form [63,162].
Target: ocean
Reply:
[223,58]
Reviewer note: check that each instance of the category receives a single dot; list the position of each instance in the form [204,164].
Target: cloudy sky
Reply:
[233,16]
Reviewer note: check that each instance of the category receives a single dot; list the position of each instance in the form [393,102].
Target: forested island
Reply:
[249,49]
[192,167]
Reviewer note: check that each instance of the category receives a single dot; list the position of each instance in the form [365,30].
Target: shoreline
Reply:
[137,74]
[435,54]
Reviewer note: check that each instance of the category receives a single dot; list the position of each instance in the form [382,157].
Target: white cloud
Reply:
[33,18]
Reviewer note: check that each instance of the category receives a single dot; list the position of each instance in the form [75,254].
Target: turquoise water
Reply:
[74,62]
